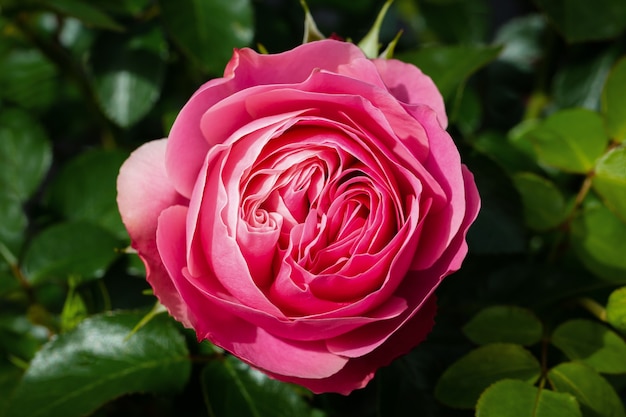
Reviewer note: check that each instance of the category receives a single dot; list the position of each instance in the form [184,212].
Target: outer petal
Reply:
[444,164]
[143,192]
[295,65]
[410,85]
[187,145]
[358,372]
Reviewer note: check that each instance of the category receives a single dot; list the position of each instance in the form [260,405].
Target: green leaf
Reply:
[610,180]
[597,236]
[616,309]
[570,140]
[581,20]
[596,396]
[544,205]
[462,383]
[614,102]
[83,11]
[579,83]
[128,73]
[507,324]
[69,249]
[592,343]
[13,222]
[512,398]
[207,31]
[28,79]
[449,66]
[25,153]
[79,371]
[85,189]
[233,388]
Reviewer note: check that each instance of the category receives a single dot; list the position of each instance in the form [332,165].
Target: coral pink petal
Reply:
[143,192]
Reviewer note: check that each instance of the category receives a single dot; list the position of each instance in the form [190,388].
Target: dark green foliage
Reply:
[536,97]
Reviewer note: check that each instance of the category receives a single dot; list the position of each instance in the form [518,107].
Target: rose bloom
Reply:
[303,211]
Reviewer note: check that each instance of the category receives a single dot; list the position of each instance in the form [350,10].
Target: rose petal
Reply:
[359,371]
[249,342]
[444,163]
[188,145]
[410,85]
[143,192]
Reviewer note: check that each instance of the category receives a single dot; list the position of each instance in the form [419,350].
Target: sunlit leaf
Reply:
[592,343]
[79,371]
[597,236]
[610,180]
[506,324]
[462,383]
[513,398]
[570,140]
[616,309]
[544,205]
[596,396]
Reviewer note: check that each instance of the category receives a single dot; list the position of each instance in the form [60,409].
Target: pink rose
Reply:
[302,212]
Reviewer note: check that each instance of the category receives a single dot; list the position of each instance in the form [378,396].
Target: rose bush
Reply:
[302,212]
